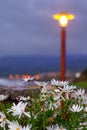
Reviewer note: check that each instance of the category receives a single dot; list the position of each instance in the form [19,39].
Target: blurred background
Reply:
[30,39]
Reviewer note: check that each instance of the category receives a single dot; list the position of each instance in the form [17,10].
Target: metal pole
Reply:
[63,53]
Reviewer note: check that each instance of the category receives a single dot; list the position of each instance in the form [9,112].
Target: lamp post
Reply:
[63,19]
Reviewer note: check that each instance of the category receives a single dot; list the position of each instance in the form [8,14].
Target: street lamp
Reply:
[63,19]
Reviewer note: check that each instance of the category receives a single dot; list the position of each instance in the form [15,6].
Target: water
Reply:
[10,83]
[38,64]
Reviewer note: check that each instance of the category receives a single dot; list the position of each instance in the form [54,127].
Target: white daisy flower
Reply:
[43,97]
[80,93]
[76,108]
[57,97]
[49,87]
[3,120]
[53,105]
[68,88]
[3,97]
[59,83]
[57,94]
[57,90]
[22,98]
[27,114]
[41,84]
[82,124]
[44,90]
[26,127]
[28,79]
[85,99]
[55,127]
[19,109]
[14,125]
[85,109]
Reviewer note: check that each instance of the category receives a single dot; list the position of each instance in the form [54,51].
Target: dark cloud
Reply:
[27,27]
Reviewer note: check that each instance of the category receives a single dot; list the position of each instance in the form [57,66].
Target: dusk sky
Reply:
[27,27]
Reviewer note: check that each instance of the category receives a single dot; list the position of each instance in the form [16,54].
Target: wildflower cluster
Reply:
[58,106]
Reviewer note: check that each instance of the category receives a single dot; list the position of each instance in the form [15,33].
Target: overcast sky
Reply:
[27,27]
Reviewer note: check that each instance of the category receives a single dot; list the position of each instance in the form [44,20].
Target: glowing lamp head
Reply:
[63,18]
[63,21]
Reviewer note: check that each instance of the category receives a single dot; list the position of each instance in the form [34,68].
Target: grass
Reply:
[81,84]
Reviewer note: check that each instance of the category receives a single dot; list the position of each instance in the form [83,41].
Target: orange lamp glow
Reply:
[63,18]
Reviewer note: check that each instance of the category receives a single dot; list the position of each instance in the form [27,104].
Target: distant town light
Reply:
[77,75]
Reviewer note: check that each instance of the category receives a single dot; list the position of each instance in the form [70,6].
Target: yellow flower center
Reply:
[17,129]
[3,119]
[60,128]
[50,120]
